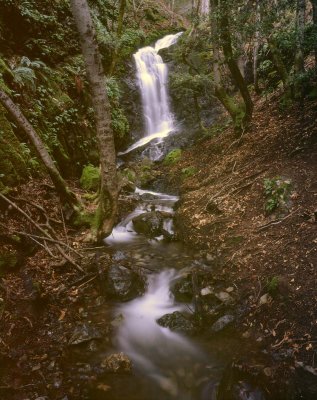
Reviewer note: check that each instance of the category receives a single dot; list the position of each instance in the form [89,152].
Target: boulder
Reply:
[122,283]
[177,322]
[151,224]
[183,289]
[222,323]
[117,363]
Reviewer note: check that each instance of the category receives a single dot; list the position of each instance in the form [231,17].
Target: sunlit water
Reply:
[152,75]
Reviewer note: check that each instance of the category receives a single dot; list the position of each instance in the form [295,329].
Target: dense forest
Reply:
[158,181]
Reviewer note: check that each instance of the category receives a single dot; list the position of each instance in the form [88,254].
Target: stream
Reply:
[166,364]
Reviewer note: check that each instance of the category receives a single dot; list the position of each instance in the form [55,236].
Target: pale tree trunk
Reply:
[108,201]
[256,46]
[64,193]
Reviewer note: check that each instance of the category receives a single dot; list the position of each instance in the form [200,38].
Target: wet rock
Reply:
[151,224]
[222,323]
[117,363]
[183,290]
[122,283]
[237,384]
[177,322]
[84,333]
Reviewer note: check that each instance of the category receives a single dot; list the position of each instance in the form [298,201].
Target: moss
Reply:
[8,260]
[13,161]
[129,174]
[188,172]
[84,218]
[90,178]
[173,157]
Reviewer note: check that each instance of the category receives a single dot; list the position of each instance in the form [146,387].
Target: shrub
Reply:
[276,191]
[173,157]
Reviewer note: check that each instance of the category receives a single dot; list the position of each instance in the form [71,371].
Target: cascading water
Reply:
[152,76]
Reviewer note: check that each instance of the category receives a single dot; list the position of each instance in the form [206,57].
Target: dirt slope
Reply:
[222,211]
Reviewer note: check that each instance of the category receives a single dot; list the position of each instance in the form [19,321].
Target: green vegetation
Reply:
[272,286]
[276,191]
[188,172]
[90,178]
[173,157]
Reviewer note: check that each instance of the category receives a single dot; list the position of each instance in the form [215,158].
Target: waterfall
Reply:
[152,76]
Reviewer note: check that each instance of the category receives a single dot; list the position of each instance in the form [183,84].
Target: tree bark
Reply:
[122,8]
[256,46]
[107,209]
[314,4]
[226,42]
[300,31]
[64,193]
[236,111]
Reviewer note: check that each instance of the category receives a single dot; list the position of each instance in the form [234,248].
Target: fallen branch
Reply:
[262,227]
[46,235]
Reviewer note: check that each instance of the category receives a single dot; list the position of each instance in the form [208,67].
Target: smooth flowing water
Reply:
[166,365]
[152,74]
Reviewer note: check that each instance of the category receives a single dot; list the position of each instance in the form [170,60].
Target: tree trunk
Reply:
[107,210]
[300,32]
[225,36]
[236,112]
[256,47]
[122,8]
[314,4]
[64,193]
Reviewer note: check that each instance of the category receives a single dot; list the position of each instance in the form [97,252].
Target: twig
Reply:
[49,239]
[262,227]
[64,226]
[40,244]
[86,283]
[47,236]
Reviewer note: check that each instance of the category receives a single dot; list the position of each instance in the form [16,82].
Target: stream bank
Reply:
[268,255]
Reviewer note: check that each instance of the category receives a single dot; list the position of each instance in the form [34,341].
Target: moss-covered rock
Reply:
[90,177]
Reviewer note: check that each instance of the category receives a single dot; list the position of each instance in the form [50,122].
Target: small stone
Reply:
[267,371]
[222,323]
[84,333]
[206,291]
[117,363]
[264,299]
[230,289]
[224,297]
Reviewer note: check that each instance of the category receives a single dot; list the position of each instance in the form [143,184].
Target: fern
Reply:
[24,73]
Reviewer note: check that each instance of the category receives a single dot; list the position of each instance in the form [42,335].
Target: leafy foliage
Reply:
[276,191]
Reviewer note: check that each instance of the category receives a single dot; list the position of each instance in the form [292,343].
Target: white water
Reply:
[156,350]
[124,232]
[152,76]
[164,356]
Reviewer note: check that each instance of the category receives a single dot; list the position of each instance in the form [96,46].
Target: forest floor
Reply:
[270,257]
